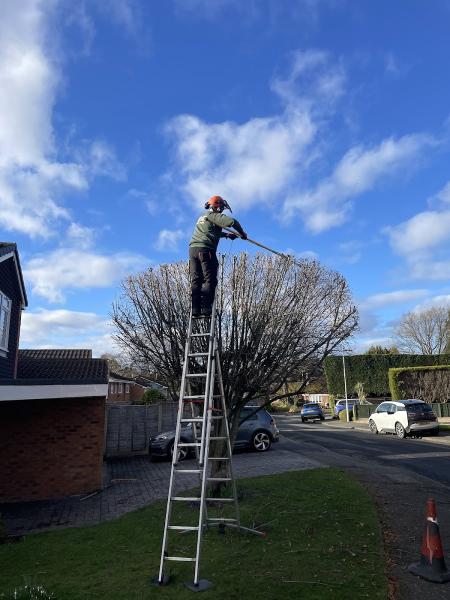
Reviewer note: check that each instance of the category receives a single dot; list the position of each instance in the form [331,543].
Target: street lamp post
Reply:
[345,388]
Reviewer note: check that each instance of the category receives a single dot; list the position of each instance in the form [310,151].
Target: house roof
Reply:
[55,353]
[63,371]
[142,381]
[8,248]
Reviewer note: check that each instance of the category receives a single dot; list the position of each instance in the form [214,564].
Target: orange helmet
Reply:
[218,203]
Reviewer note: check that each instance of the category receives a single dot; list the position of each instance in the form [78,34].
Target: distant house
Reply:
[129,390]
[322,399]
[13,300]
[52,407]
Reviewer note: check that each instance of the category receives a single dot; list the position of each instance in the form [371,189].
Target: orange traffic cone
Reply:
[432,564]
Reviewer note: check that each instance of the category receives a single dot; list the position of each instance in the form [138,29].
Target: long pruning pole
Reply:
[286,256]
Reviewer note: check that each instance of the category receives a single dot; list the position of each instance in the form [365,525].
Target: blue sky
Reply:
[324,123]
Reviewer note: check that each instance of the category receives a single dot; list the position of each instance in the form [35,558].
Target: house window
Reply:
[127,388]
[120,388]
[5,314]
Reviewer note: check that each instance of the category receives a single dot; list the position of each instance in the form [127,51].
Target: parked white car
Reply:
[405,417]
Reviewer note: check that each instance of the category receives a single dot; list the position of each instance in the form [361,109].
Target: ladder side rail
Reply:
[209,371]
[175,449]
[209,392]
[227,429]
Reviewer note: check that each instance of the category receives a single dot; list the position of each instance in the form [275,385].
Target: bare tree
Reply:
[425,332]
[277,321]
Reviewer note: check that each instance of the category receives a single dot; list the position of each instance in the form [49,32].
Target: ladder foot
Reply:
[201,586]
[165,580]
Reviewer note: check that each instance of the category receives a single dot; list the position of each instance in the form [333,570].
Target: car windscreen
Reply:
[245,412]
[310,406]
[418,408]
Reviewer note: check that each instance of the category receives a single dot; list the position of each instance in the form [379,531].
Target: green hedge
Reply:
[431,383]
[372,370]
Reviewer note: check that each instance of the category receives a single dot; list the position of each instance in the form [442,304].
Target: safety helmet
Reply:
[217,203]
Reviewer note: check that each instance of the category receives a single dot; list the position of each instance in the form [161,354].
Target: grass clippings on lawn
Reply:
[323,542]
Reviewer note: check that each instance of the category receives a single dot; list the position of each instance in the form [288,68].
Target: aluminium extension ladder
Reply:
[202,392]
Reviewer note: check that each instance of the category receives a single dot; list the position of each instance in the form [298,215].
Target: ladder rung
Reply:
[219,437]
[219,479]
[200,334]
[194,420]
[195,354]
[220,519]
[196,374]
[188,470]
[220,499]
[188,444]
[217,417]
[180,558]
[185,499]
[218,458]
[182,527]
[202,396]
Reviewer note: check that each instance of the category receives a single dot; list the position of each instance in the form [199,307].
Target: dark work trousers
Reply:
[203,266]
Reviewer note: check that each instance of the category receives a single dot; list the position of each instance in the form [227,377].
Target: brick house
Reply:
[128,390]
[52,407]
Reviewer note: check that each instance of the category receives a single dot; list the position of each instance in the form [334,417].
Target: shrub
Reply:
[294,408]
[343,414]
[431,384]
[151,396]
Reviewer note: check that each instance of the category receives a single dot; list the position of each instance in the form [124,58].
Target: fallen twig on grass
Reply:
[311,582]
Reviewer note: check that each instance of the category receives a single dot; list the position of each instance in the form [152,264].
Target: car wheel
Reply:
[400,431]
[303,420]
[261,441]
[322,418]
[373,426]
[182,452]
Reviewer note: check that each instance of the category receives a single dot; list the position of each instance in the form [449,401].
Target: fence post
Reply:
[159,417]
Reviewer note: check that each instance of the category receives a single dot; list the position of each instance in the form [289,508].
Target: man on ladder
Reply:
[203,262]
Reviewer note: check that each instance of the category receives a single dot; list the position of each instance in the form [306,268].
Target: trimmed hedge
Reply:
[431,383]
[372,370]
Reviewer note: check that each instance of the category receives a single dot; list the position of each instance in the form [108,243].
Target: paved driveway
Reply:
[133,483]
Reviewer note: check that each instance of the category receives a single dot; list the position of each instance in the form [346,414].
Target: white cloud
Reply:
[256,161]
[435,301]
[66,329]
[425,230]
[396,297]
[32,177]
[304,10]
[80,236]
[427,268]
[169,239]
[51,275]
[327,205]
[312,82]
[149,202]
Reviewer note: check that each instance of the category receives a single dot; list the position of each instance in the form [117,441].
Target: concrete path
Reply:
[133,483]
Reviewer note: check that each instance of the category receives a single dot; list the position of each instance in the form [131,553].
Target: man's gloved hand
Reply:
[243,235]
[231,236]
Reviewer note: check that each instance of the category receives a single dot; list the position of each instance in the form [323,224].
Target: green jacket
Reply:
[208,230]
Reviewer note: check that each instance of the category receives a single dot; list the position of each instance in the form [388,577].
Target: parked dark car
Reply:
[311,411]
[257,433]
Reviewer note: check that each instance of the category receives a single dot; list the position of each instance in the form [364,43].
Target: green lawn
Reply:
[315,548]
[444,427]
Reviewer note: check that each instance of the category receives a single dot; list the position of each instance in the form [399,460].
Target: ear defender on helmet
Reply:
[217,203]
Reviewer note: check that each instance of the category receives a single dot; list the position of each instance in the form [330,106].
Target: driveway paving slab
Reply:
[134,482]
